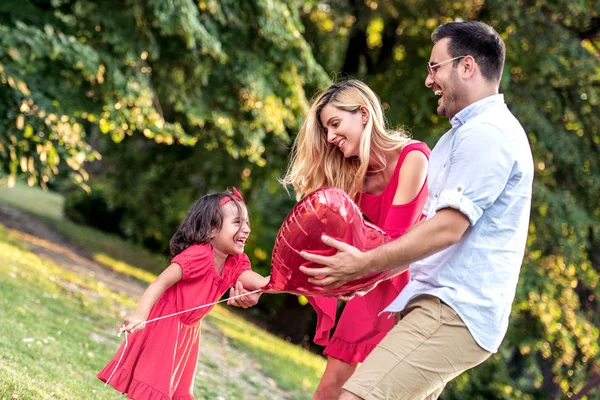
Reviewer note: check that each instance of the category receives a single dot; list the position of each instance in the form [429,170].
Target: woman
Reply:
[344,143]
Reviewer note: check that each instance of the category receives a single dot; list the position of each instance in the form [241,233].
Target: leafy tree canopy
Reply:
[224,74]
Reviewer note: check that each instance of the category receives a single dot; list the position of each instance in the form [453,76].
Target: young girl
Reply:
[160,359]
[344,143]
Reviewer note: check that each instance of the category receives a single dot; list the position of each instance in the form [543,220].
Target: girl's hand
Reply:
[244,301]
[133,323]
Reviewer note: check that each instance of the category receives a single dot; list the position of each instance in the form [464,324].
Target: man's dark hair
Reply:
[476,39]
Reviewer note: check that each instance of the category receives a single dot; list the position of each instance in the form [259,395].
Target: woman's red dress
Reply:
[360,328]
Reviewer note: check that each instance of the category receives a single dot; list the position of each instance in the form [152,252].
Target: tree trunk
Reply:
[548,385]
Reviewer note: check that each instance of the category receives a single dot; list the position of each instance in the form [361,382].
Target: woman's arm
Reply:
[165,280]
[411,178]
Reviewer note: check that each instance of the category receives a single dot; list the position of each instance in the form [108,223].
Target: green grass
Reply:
[58,328]
[273,354]
[44,204]
[113,252]
[53,339]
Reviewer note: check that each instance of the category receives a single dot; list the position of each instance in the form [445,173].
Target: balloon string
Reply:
[168,316]
[120,358]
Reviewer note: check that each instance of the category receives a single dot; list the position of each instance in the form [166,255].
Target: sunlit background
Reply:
[126,111]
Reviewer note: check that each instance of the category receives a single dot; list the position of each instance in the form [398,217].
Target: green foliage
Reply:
[225,74]
[35,132]
[556,96]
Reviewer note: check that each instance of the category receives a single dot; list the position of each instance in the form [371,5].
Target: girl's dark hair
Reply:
[205,215]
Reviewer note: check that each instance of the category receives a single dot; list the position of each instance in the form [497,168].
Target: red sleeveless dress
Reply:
[360,328]
[160,361]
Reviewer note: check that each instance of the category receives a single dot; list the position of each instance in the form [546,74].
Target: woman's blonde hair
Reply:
[315,162]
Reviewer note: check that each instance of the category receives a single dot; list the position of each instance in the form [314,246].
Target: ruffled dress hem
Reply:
[132,388]
[351,353]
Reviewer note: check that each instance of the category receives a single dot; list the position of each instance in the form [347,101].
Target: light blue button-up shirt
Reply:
[482,167]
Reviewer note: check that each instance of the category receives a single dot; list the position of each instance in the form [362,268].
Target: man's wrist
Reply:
[370,262]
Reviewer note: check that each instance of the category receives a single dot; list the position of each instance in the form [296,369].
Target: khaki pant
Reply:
[429,346]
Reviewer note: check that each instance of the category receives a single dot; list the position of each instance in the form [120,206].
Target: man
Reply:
[454,313]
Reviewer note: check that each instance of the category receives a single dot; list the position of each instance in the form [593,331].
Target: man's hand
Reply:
[244,301]
[346,265]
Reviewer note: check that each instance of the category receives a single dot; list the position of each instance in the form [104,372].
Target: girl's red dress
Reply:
[160,360]
[360,328]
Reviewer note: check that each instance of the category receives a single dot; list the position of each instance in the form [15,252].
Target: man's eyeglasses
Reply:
[431,68]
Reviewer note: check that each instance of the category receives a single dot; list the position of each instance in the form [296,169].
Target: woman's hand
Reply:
[243,301]
[357,293]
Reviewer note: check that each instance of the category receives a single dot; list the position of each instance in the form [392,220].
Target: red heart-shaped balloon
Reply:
[326,211]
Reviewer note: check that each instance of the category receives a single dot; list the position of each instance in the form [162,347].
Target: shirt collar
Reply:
[474,109]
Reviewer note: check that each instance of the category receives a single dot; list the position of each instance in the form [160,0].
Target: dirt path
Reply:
[49,244]
[220,364]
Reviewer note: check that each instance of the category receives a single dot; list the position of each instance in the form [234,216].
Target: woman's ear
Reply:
[364,113]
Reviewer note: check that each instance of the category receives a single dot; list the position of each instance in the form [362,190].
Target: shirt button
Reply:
[436,196]
[459,188]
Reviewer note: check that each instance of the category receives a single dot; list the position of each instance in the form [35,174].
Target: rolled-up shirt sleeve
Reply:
[478,171]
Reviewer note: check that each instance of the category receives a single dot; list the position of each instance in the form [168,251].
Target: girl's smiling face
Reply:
[234,232]
[343,129]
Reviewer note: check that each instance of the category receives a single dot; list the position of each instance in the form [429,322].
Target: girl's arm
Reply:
[248,281]
[252,280]
[165,280]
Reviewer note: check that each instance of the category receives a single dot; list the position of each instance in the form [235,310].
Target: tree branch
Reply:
[593,32]
[587,388]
